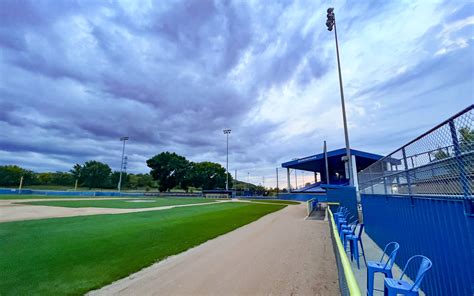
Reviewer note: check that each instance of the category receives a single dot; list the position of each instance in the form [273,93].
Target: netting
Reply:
[439,162]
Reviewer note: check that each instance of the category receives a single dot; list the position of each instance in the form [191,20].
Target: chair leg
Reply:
[370,282]
[363,252]
[356,253]
[351,247]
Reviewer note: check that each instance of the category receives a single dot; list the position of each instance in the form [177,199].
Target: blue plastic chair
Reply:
[341,210]
[380,266]
[354,241]
[344,221]
[346,230]
[393,287]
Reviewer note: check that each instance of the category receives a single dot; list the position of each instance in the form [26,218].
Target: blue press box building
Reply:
[334,185]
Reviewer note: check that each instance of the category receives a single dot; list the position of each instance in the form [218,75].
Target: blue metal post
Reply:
[462,170]
[407,173]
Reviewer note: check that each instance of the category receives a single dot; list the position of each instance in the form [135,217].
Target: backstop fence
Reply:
[421,195]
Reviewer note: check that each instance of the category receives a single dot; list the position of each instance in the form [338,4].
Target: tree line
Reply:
[168,170]
[92,174]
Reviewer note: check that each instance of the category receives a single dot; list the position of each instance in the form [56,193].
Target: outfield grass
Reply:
[74,255]
[120,204]
[276,201]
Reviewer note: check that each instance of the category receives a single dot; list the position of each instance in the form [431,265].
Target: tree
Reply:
[208,175]
[140,181]
[10,175]
[169,169]
[466,140]
[45,178]
[440,154]
[115,177]
[76,173]
[62,178]
[95,174]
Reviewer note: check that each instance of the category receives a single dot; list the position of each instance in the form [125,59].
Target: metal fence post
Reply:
[468,208]
[407,173]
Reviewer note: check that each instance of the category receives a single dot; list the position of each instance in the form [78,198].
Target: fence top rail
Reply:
[352,285]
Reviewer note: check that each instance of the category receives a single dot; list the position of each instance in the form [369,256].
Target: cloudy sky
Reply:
[77,75]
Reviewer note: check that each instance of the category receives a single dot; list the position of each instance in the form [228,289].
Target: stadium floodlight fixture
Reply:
[227,132]
[119,185]
[331,19]
[331,23]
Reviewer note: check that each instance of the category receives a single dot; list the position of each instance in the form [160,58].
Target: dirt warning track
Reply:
[280,254]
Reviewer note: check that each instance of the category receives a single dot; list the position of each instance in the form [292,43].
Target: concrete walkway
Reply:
[373,253]
[279,254]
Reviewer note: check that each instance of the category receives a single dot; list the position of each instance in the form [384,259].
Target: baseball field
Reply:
[49,248]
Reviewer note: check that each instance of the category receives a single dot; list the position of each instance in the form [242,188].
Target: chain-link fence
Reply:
[440,163]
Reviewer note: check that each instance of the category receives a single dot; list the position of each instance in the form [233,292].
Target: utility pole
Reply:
[235,184]
[227,132]
[330,23]
[119,186]
[21,184]
[277,189]
[248,181]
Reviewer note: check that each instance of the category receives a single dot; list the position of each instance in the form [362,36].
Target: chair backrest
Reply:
[425,265]
[341,210]
[391,257]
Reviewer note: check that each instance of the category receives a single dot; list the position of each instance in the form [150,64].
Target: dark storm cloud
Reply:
[96,71]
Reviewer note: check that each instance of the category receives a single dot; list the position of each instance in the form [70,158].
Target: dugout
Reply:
[217,193]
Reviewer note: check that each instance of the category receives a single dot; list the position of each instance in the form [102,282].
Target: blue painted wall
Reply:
[345,195]
[434,227]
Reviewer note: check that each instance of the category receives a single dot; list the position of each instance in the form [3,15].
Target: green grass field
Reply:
[276,201]
[74,255]
[121,204]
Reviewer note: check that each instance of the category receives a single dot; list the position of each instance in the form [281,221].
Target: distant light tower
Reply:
[227,132]
[330,23]
[248,181]
[119,186]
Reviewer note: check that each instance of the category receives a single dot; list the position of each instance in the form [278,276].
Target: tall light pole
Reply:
[227,132]
[248,181]
[331,23]
[277,189]
[119,186]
